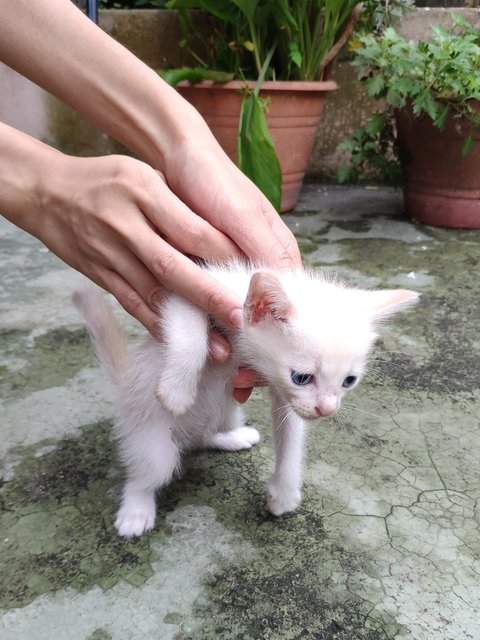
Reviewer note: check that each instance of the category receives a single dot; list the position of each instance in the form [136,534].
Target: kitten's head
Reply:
[310,338]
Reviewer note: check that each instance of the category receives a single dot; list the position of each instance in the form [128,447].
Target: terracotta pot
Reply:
[442,188]
[293,116]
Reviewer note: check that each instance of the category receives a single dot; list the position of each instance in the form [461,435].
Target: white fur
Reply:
[171,396]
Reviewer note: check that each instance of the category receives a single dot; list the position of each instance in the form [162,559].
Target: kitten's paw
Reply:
[176,398]
[235,440]
[282,498]
[134,522]
[247,435]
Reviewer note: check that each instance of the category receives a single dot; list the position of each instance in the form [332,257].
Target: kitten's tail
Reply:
[107,336]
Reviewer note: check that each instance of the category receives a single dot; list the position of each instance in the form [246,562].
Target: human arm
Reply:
[94,213]
[76,61]
[101,215]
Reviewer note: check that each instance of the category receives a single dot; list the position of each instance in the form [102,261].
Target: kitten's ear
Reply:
[267,300]
[386,302]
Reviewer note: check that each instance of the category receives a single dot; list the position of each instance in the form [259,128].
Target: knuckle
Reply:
[194,236]
[130,173]
[155,297]
[131,302]
[164,266]
[214,300]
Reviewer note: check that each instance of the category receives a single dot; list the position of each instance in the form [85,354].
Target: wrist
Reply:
[27,170]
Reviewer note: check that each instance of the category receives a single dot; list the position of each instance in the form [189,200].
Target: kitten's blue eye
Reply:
[349,382]
[301,378]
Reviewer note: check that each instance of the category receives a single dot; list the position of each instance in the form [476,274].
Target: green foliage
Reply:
[256,153]
[255,150]
[194,74]
[261,39]
[372,149]
[301,32]
[377,16]
[132,4]
[433,78]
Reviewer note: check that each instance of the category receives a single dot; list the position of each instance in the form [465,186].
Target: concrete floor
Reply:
[386,542]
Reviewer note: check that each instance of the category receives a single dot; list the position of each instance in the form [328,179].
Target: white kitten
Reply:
[308,337]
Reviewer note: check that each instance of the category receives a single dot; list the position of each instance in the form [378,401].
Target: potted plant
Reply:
[264,56]
[431,122]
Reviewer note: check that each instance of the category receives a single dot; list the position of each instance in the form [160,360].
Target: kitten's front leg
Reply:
[284,488]
[236,435]
[185,352]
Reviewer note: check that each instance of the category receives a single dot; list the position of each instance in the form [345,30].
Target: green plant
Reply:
[377,16]
[257,40]
[301,33]
[372,150]
[132,4]
[434,78]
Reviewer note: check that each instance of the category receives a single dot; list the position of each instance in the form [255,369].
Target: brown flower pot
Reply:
[293,116]
[442,187]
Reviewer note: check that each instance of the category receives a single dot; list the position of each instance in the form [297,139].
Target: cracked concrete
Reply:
[386,544]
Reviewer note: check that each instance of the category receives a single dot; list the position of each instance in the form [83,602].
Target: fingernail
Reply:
[218,351]
[236,318]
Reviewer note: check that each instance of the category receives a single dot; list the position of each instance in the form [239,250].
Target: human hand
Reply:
[115,220]
[244,380]
[203,177]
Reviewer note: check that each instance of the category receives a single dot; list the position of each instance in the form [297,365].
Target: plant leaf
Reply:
[375,85]
[375,123]
[467,145]
[222,9]
[256,155]
[193,74]
[442,118]
[247,7]
[294,54]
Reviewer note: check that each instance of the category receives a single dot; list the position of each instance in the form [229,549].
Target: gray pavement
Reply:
[386,542]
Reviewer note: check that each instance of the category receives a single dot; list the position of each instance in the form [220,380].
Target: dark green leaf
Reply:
[256,154]
[375,123]
[222,9]
[193,74]
[375,85]
[442,117]
[247,7]
[347,174]
[467,145]
[295,55]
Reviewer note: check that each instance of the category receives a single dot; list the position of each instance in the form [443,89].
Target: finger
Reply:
[242,395]
[245,378]
[117,258]
[218,346]
[184,230]
[129,298]
[179,274]
[262,235]
[233,204]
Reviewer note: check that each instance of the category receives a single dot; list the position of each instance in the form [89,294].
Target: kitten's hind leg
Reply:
[153,467]
[237,437]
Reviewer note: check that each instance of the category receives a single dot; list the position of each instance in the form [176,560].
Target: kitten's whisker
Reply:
[284,418]
[403,353]
[342,416]
[391,364]
[286,409]
[368,413]
[282,408]
[377,375]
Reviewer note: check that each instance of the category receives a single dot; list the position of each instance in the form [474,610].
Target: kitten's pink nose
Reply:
[325,410]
